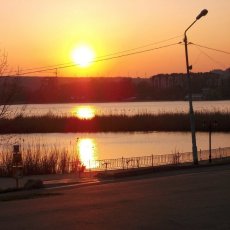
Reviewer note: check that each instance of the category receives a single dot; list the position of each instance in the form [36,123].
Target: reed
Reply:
[115,123]
[38,159]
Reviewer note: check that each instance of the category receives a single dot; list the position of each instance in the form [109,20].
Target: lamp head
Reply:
[202,13]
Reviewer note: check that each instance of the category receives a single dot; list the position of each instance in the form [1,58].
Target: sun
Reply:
[83,55]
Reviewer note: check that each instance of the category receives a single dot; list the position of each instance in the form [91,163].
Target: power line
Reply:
[197,58]
[49,66]
[137,52]
[140,47]
[206,47]
[102,59]
[211,58]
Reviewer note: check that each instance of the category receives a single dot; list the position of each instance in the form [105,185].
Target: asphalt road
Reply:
[190,199]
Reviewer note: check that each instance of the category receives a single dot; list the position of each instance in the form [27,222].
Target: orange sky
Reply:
[43,33]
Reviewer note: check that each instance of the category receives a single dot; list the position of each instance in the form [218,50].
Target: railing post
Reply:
[210,142]
[138,163]
[89,169]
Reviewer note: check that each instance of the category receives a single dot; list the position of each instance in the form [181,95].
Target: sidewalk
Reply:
[51,180]
[88,177]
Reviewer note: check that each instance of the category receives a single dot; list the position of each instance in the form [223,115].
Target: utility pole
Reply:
[211,125]
[191,112]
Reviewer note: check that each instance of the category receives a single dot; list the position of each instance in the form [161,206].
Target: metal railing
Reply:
[156,160]
[125,163]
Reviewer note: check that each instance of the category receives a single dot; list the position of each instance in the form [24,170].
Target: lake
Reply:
[124,108]
[94,146]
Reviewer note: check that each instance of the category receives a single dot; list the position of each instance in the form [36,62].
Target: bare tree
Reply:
[3,69]
[8,86]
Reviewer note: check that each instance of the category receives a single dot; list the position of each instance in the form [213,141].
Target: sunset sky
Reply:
[45,33]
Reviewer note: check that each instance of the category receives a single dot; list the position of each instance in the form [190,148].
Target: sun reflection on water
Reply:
[87,152]
[84,112]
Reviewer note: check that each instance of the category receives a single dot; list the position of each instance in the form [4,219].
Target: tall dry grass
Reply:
[115,123]
[38,159]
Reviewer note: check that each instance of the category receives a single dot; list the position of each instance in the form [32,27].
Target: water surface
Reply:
[94,146]
[127,108]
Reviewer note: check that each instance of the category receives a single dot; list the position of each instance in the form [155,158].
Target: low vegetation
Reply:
[115,123]
[41,160]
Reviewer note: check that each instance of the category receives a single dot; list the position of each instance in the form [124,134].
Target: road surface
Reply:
[189,199]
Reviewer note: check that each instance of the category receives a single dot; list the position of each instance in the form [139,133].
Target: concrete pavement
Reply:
[51,180]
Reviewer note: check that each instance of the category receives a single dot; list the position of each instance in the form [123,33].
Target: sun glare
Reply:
[85,112]
[83,55]
[87,153]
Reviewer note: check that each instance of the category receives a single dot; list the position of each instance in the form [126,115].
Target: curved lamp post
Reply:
[188,67]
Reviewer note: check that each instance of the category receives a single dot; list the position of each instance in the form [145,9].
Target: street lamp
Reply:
[188,67]
[211,125]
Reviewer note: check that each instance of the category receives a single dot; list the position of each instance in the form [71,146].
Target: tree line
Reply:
[206,86]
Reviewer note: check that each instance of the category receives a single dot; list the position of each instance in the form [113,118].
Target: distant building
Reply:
[167,81]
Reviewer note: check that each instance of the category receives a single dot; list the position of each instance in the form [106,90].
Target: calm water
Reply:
[115,145]
[128,108]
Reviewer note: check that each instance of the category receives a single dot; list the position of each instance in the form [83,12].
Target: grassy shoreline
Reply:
[115,123]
